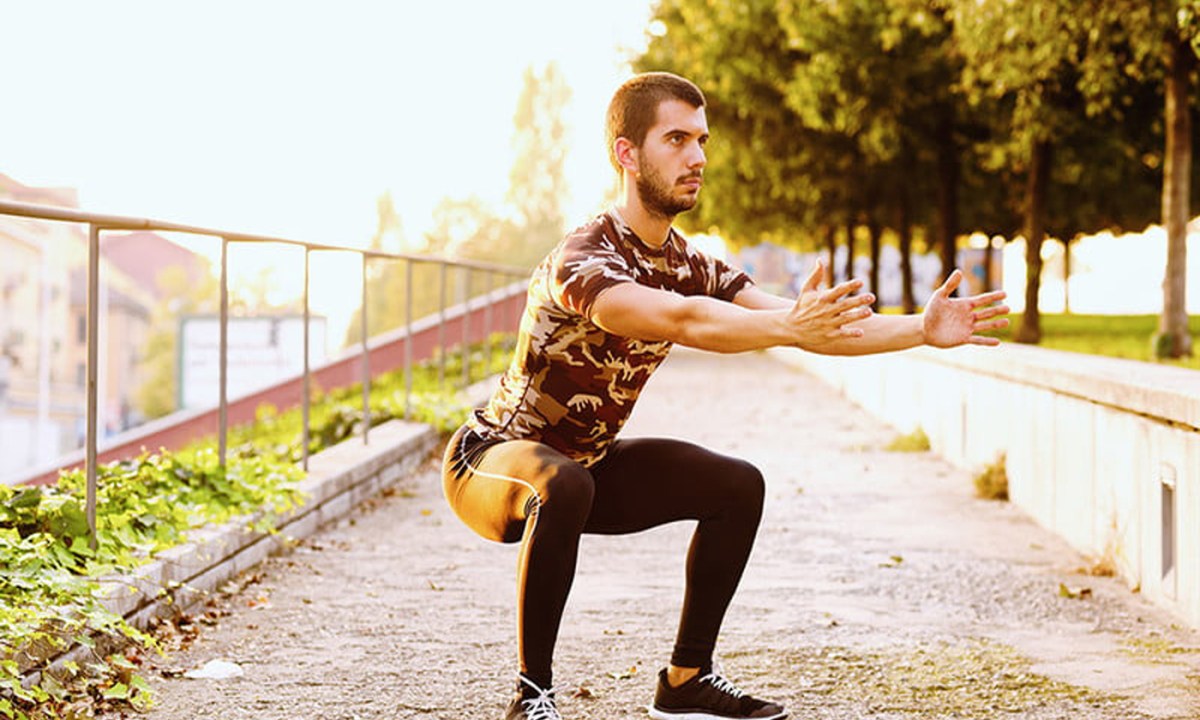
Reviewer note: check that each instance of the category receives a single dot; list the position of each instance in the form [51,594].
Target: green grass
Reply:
[1122,336]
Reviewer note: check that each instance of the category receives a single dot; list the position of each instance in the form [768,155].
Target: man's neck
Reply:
[651,228]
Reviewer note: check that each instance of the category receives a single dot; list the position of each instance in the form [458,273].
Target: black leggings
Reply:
[524,490]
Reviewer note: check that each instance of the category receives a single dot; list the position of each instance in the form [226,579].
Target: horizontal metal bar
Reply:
[122,222]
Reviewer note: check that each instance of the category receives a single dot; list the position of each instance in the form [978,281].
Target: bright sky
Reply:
[292,118]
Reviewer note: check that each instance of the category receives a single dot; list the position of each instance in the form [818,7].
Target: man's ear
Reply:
[626,154]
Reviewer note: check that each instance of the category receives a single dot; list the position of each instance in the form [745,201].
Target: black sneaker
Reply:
[708,696]
[532,703]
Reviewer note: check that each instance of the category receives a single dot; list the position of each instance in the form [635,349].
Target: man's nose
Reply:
[697,158]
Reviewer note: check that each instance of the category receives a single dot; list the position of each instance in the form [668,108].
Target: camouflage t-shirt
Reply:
[572,385]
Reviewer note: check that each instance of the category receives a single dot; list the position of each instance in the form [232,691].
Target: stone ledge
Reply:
[1163,392]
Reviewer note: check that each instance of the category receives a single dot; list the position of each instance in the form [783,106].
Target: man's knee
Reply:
[747,486]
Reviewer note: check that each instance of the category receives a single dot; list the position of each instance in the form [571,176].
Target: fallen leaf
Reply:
[1080,594]
[624,675]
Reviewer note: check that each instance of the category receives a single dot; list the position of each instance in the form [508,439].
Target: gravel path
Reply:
[879,588]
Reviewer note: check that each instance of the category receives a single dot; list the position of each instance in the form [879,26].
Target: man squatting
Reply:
[541,463]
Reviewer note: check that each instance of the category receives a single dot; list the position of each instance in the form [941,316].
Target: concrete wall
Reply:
[1105,452]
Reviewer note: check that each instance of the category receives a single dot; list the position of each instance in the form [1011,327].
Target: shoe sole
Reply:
[664,715]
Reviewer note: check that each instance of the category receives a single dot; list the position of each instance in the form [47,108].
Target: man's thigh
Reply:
[499,488]
[645,482]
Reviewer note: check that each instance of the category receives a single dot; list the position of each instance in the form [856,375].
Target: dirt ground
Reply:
[880,587]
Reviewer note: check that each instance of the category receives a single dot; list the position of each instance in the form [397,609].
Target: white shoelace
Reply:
[723,684]
[541,707]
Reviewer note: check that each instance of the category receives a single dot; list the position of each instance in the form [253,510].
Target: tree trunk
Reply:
[849,266]
[904,229]
[1066,277]
[988,259]
[1173,339]
[1035,232]
[831,247]
[947,192]
[874,233]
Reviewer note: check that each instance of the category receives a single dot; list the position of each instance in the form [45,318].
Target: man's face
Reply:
[671,159]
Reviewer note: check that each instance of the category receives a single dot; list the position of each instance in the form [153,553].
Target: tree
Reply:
[768,176]
[823,115]
[1173,339]
[468,228]
[1158,40]
[537,187]
[1057,73]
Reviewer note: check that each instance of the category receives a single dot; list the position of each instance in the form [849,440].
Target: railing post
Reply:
[305,402]
[93,342]
[366,360]
[223,360]
[466,327]
[442,325]
[408,338]
[487,323]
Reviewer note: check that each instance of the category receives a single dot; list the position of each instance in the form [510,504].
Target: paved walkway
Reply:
[879,588]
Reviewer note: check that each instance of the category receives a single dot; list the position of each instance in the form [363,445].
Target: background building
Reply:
[43,332]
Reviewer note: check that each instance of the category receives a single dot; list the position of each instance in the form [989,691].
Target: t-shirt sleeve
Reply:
[583,267]
[724,280]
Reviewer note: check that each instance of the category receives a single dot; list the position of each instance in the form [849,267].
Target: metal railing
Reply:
[98,223]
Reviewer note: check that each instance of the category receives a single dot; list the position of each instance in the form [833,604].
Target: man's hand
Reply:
[950,321]
[820,316]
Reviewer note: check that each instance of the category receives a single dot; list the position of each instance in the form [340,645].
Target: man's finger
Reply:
[991,325]
[842,289]
[950,285]
[845,332]
[857,300]
[814,278]
[991,312]
[982,340]
[988,298]
[853,314]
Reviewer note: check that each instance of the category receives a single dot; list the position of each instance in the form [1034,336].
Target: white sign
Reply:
[262,351]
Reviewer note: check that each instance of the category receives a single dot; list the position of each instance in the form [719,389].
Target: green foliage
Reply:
[50,596]
[916,441]
[992,482]
[51,599]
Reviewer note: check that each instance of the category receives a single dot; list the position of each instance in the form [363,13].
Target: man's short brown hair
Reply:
[634,106]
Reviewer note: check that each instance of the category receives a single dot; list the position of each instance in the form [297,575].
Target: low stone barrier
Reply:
[1105,452]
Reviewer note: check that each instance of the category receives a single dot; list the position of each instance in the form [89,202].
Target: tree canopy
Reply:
[937,118]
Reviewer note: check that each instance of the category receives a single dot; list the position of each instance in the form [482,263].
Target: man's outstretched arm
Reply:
[636,311]
[946,322]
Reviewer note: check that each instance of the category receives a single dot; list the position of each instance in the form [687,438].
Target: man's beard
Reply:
[655,193]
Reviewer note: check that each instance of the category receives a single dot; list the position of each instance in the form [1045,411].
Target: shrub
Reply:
[992,482]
